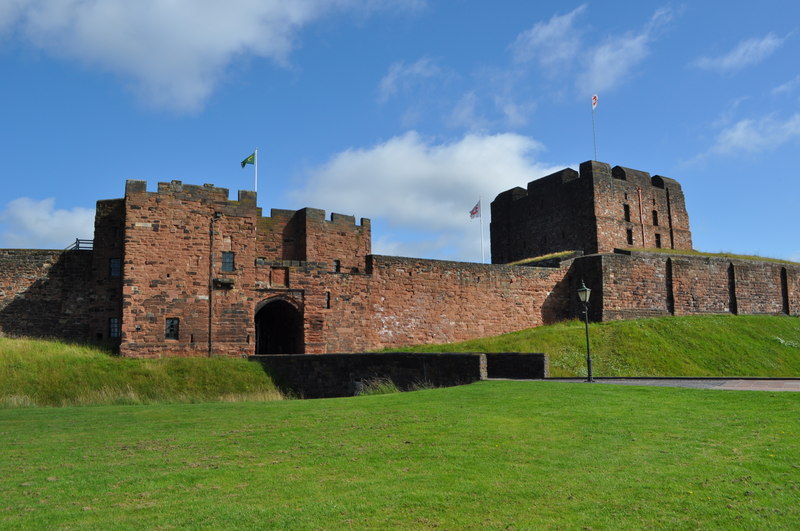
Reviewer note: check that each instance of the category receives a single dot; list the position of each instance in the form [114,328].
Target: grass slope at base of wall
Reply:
[491,455]
[51,373]
[709,345]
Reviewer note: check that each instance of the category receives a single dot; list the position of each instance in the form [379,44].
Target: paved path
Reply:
[732,384]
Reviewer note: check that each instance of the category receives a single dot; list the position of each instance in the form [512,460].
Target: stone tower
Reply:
[594,211]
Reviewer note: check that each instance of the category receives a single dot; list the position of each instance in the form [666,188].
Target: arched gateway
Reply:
[279,328]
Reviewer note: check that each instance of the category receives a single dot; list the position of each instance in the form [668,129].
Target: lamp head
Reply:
[584,292]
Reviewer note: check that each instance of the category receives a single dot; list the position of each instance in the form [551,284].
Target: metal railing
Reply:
[81,245]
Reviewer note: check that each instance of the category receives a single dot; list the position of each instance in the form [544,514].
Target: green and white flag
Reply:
[249,160]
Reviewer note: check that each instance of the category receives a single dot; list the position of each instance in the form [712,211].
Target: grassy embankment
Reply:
[488,455]
[715,345]
[48,373]
[52,373]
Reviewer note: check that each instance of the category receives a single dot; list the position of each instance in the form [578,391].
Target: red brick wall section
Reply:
[624,186]
[758,287]
[279,238]
[338,239]
[554,214]
[107,289]
[166,271]
[638,285]
[408,301]
[700,285]
[46,293]
[633,286]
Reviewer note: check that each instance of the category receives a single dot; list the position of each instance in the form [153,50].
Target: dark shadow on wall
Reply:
[338,375]
[557,305]
[58,304]
[562,303]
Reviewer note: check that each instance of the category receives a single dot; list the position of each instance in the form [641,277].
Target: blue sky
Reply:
[402,111]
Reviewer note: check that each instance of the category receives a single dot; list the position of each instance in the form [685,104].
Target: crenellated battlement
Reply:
[341,220]
[589,172]
[207,193]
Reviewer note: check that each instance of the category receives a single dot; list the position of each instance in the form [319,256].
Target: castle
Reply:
[184,271]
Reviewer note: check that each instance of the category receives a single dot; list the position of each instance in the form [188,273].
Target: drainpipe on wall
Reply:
[641,215]
[214,218]
[669,220]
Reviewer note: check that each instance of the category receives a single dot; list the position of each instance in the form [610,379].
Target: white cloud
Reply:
[175,51]
[549,43]
[465,113]
[611,63]
[402,76]
[411,183]
[753,136]
[747,53]
[787,88]
[516,114]
[9,14]
[33,224]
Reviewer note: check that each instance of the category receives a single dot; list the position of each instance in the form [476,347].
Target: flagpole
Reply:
[255,167]
[480,211]
[594,136]
[594,133]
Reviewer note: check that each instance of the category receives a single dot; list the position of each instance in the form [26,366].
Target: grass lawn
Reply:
[702,345]
[37,372]
[491,454]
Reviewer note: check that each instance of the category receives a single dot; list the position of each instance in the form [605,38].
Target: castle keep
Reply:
[596,210]
[184,271]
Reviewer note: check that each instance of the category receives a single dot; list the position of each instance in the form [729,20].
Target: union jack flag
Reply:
[476,211]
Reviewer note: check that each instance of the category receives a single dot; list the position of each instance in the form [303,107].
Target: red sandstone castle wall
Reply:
[553,214]
[337,241]
[106,292]
[410,301]
[172,241]
[169,265]
[46,293]
[616,187]
[648,284]
[633,286]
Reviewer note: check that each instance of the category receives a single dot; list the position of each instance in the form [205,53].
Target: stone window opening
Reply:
[115,267]
[114,327]
[627,211]
[228,261]
[658,241]
[655,218]
[337,266]
[327,300]
[629,234]
[172,328]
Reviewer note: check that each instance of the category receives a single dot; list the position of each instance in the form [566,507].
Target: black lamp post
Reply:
[583,295]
